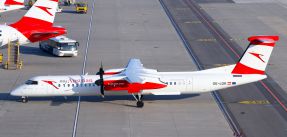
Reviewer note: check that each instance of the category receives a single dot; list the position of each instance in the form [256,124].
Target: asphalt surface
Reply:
[211,45]
[120,30]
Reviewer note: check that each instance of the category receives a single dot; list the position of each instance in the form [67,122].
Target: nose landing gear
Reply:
[24,99]
[138,98]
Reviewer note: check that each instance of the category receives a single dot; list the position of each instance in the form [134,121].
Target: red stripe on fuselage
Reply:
[116,85]
[243,69]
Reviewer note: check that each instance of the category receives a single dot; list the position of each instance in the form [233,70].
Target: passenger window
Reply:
[77,85]
[170,83]
[90,85]
[59,85]
[174,83]
[68,85]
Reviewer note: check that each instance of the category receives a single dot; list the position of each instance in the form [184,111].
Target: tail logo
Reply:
[258,56]
[46,9]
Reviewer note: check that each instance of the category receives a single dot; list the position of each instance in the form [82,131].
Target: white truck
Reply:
[60,46]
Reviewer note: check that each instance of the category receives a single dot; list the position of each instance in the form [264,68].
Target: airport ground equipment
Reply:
[81,7]
[1,58]
[68,2]
[60,46]
[13,56]
[136,80]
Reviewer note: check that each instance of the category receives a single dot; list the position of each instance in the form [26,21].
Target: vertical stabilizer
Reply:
[256,56]
[42,13]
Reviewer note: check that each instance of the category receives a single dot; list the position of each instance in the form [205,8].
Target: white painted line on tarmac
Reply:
[83,70]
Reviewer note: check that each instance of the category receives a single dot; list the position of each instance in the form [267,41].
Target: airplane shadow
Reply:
[34,51]
[57,101]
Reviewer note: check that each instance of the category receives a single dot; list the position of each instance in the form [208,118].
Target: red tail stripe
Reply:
[243,69]
[27,22]
[13,2]
[274,38]
[263,40]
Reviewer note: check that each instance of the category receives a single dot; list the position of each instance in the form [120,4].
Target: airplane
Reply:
[8,5]
[36,25]
[137,80]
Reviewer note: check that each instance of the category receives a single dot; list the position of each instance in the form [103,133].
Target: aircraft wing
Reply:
[136,73]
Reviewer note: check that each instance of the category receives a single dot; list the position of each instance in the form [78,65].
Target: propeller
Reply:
[100,82]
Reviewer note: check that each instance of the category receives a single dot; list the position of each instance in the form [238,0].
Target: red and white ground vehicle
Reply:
[137,80]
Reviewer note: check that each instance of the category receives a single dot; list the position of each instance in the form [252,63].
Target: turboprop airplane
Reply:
[36,25]
[8,5]
[137,80]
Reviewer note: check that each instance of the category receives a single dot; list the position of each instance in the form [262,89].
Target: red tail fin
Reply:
[256,56]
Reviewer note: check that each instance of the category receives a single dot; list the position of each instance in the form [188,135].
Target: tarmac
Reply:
[213,45]
[120,30]
[241,20]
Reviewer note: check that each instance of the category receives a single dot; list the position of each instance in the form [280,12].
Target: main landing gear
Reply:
[24,99]
[138,98]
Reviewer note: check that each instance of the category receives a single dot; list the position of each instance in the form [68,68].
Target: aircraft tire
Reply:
[140,104]
[24,99]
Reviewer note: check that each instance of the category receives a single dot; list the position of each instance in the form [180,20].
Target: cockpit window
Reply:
[31,82]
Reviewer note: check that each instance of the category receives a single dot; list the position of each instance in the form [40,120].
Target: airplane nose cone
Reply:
[16,92]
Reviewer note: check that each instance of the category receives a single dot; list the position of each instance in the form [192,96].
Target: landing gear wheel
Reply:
[24,99]
[140,104]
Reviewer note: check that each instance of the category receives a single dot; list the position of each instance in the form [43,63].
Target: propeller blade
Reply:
[100,82]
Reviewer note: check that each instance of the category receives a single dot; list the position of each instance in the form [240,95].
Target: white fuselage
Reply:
[176,83]
[9,34]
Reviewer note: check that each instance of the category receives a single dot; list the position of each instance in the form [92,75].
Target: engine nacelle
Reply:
[113,71]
